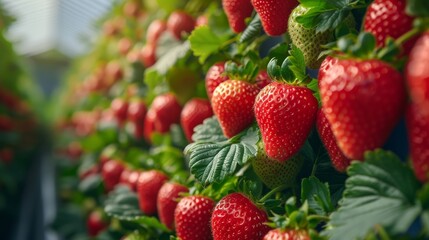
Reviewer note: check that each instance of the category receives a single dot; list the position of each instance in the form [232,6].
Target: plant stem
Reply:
[269,194]
[402,39]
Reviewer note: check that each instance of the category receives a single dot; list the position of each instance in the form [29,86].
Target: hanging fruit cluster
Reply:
[250,119]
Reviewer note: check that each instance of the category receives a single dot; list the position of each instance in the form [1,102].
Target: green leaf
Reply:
[380,191]
[169,5]
[209,131]
[205,42]
[417,8]
[173,55]
[123,204]
[317,195]
[90,184]
[252,30]
[151,222]
[214,161]
[297,62]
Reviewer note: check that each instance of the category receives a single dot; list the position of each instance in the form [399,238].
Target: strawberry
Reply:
[363,100]
[194,112]
[237,217]
[130,177]
[418,138]
[215,76]
[417,74]
[111,173]
[147,55]
[137,111]
[326,64]
[201,20]
[285,114]
[339,161]
[232,103]
[274,14]
[95,223]
[6,123]
[154,31]
[237,11]
[6,155]
[124,45]
[387,18]
[290,234]
[192,218]
[274,173]
[164,111]
[148,186]
[167,200]
[262,79]
[119,107]
[180,22]
[308,40]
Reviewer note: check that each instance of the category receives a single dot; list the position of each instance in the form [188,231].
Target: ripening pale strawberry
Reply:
[417,73]
[418,138]
[232,103]
[290,234]
[148,186]
[236,12]
[274,14]
[285,114]
[387,18]
[194,113]
[215,76]
[192,218]
[274,173]
[237,217]
[168,198]
[339,161]
[363,100]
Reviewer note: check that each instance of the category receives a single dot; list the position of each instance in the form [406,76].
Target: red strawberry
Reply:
[215,76]
[339,161]
[167,200]
[418,138]
[232,103]
[133,178]
[327,63]
[285,115]
[236,217]
[387,18]
[147,55]
[119,107]
[180,22]
[363,100]
[236,12]
[164,111]
[95,224]
[417,74]
[111,173]
[262,79]
[148,186]
[6,155]
[291,234]
[154,31]
[274,14]
[137,111]
[6,123]
[194,112]
[124,176]
[192,218]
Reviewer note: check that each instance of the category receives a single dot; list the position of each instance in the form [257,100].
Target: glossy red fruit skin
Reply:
[194,113]
[285,115]
[215,76]
[120,108]
[236,217]
[236,12]
[168,198]
[274,14]
[164,111]
[262,79]
[147,55]
[155,30]
[363,100]
[111,174]
[133,178]
[327,63]
[180,22]
[418,138]
[279,234]
[95,224]
[386,18]
[417,74]
[192,218]
[339,161]
[137,111]
[232,103]
[148,186]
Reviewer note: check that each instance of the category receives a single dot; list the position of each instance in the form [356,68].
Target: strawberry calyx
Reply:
[246,71]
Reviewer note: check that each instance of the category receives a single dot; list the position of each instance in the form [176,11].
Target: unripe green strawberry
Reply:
[275,173]
[308,40]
